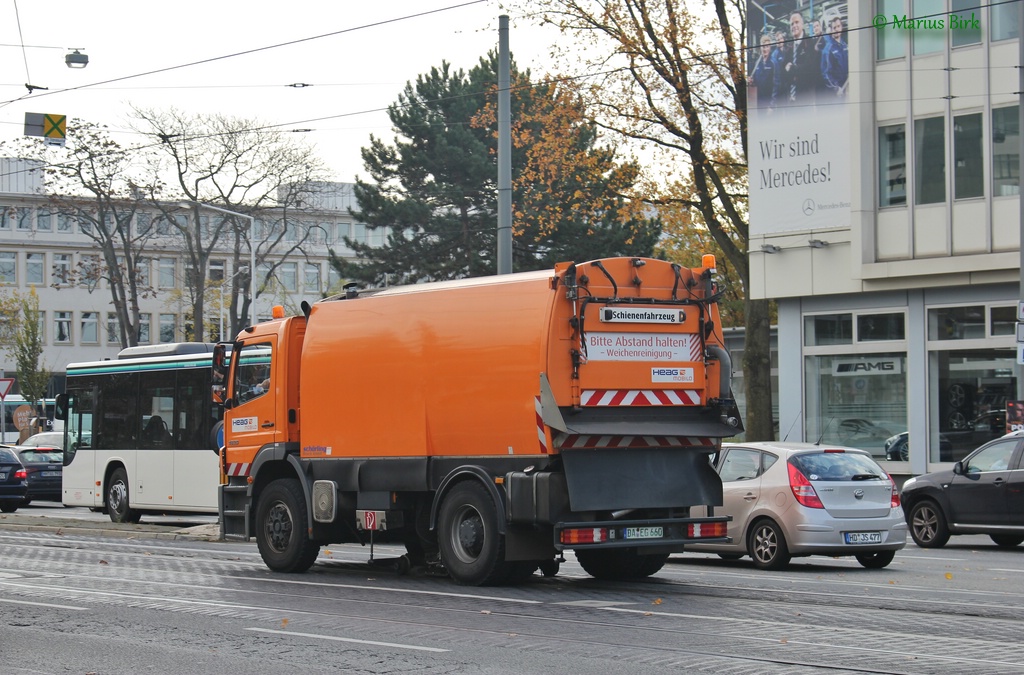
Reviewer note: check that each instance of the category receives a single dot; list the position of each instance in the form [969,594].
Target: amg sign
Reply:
[860,367]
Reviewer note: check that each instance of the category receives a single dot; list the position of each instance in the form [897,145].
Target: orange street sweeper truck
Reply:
[487,424]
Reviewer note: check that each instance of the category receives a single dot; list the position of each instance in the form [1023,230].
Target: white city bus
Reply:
[142,432]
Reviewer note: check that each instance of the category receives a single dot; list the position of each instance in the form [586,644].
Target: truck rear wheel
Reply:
[281,532]
[620,563]
[472,550]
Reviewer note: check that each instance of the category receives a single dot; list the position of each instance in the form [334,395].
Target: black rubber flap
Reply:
[608,479]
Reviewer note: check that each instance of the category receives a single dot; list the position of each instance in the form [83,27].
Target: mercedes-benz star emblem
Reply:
[808,207]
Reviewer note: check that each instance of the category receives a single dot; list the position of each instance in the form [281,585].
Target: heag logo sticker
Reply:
[672,375]
[244,424]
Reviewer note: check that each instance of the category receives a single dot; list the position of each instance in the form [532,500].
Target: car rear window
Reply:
[8,456]
[51,440]
[837,466]
[42,455]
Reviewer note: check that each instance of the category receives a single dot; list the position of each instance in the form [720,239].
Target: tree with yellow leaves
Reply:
[435,184]
[670,75]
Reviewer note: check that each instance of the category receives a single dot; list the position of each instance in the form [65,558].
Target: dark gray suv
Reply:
[982,494]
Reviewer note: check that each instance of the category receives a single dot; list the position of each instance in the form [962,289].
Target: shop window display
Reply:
[856,401]
[969,403]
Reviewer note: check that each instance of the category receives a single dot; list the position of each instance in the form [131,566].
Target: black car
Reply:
[966,435]
[45,467]
[982,494]
[13,481]
[897,448]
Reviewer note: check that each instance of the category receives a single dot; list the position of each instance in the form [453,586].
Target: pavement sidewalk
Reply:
[143,530]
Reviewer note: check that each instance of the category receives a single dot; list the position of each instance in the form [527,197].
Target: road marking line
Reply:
[341,639]
[44,604]
[469,596]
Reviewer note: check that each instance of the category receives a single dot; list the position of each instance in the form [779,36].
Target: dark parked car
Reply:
[982,494]
[967,435]
[13,481]
[43,458]
[897,448]
[45,467]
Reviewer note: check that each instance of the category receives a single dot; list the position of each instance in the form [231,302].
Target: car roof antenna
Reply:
[795,420]
[825,430]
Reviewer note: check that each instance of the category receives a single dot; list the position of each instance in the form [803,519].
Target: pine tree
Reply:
[434,188]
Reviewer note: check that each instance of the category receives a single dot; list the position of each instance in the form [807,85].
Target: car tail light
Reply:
[802,489]
[20,474]
[895,502]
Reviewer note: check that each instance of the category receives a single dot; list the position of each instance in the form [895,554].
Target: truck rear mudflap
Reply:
[662,535]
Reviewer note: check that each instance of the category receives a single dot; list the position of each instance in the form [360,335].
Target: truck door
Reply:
[252,418]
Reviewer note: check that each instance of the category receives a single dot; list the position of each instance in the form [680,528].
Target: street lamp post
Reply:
[252,248]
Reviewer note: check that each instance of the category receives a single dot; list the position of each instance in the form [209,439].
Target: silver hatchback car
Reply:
[800,499]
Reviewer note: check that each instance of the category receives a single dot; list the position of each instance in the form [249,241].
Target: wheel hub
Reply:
[279,527]
[471,536]
[118,496]
[765,545]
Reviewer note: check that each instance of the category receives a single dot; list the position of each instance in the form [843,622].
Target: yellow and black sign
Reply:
[53,128]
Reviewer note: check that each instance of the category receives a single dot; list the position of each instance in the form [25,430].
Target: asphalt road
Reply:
[165,598]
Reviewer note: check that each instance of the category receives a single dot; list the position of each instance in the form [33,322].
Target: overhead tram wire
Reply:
[849,29]
[263,49]
[549,81]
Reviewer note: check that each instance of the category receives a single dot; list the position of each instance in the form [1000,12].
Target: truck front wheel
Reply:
[281,532]
[472,550]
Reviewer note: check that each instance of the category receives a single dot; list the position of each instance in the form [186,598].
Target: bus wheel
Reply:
[281,528]
[117,499]
[471,549]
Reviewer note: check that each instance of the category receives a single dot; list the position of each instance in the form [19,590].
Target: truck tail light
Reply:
[802,489]
[584,535]
[704,530]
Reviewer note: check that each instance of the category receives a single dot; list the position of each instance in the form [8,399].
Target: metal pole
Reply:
[252,270]
[252,251]
[504,151]
[1020,185]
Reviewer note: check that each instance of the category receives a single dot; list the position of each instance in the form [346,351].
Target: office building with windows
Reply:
[885,221]
[45,248]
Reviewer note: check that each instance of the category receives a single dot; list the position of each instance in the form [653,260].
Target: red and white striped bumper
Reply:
[573,441]
[638,397]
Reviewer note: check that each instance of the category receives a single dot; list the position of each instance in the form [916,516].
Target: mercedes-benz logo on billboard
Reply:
[808,207]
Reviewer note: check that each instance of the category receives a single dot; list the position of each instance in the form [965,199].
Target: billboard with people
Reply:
[799,147]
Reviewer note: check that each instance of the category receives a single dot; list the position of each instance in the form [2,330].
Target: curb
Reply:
[106,531]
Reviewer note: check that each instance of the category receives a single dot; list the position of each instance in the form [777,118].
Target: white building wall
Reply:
[929,262]
[29,235]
